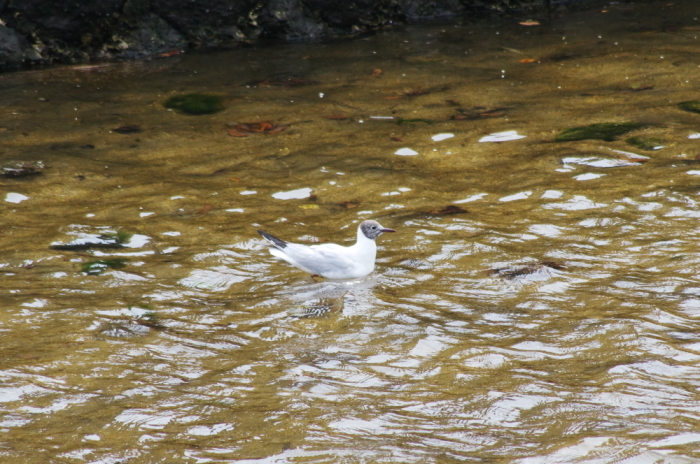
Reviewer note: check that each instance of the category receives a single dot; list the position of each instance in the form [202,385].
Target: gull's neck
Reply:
[365,245]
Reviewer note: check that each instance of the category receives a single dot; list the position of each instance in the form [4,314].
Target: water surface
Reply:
[539,303]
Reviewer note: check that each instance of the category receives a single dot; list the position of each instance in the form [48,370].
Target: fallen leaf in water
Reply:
[245,128]
[128,129]
[529,22]
[254,126]
[205,209]
[172,53]
[527,60]
[451,209]
[396,139]
[377,73]
[338,117]
[276,130]
[308,206]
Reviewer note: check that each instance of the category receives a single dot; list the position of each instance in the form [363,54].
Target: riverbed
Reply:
[538,303]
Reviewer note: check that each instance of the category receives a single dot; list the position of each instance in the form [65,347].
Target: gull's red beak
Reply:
[388,230]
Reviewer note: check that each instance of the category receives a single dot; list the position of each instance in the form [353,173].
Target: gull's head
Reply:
[372,229]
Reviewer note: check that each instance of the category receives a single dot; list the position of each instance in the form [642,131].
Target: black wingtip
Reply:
[272,239]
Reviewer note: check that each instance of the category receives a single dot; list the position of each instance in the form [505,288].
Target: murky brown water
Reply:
[555,321]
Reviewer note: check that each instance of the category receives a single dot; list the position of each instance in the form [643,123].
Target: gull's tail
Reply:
[278,243]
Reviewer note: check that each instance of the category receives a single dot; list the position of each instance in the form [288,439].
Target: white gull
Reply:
[330,260]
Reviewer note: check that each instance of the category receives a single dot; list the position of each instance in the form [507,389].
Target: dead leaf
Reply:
[205,209]
[527,60]
[244,128]
[172,53]
[128,129]
[254,126]
[377,73]
[396,139]
[529,22]
[276,130]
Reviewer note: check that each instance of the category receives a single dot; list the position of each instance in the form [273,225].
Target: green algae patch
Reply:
[693,106]
[119,237]
[99,266]
[195,103]
[648,144]
[607,131]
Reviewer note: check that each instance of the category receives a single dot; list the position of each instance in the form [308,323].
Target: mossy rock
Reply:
[607,131]
[649,144]
[195,103]
[692,106]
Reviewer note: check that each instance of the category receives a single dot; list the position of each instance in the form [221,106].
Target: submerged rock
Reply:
[195,103]
[648,144]
[692,106]
[606,131]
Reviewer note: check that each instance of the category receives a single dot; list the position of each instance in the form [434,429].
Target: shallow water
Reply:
[555,320]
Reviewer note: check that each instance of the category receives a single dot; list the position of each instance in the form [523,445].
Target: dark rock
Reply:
[421,9]
[15,49]
[150,35]
[83,30]
[289,20]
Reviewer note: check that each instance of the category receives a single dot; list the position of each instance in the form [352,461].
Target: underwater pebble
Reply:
[588,176]
[440,137]
[15,197]
[405,152]
[517,196]
[478,196]
[297,194]
[502,137]
[552,194]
